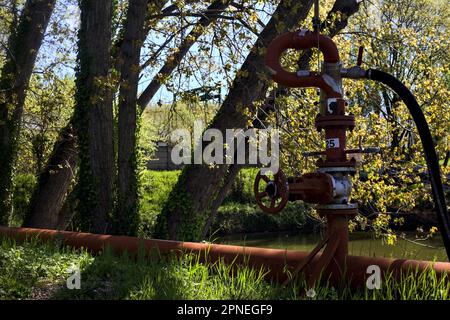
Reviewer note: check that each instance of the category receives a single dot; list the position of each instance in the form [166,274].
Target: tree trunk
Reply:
[171,63]
[126,218]
[94,116]
[53,183]
[23,45]
[67,211]
[185,212]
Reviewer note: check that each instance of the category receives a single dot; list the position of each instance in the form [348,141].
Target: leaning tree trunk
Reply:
[23,46]
[189,203]
[94,116]
[126,217]
[53,182]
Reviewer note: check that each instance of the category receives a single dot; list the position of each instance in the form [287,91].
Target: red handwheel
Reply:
[272,194]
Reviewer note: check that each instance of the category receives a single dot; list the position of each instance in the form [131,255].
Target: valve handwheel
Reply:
[273,196]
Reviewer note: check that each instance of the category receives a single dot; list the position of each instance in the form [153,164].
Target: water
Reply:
[361,244]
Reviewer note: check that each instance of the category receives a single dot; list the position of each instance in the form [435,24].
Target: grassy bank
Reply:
[238,213]
[39,271]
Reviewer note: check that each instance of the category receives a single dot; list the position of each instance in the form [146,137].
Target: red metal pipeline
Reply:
[302,40]
[276,260]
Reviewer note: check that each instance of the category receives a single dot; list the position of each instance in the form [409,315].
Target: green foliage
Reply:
[242,188]
[23,189]
[48,108]
[235,217]
[9,103]
[147,138]
[155,189]
[179,204]
[17,60]
[409,40]
[121,278]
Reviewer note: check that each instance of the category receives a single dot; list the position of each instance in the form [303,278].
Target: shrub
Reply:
[22,192]
[242,188]
[236,217]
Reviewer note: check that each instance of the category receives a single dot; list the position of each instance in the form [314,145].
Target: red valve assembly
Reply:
[330,187]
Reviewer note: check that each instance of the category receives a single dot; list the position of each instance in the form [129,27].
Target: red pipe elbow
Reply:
[301,40]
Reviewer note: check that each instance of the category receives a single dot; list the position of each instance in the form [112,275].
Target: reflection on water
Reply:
[361,244]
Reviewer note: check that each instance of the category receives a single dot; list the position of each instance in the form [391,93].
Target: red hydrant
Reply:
[330,186]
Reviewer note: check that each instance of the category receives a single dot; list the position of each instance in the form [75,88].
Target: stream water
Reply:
[361,243]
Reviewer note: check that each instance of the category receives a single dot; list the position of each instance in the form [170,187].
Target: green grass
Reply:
[36,270]
[31,268]
[23,268]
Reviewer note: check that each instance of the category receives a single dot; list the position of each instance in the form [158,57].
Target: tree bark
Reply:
[126,218]
[209,17]
[185,212]
[53,182]
[23,46]
[94,116]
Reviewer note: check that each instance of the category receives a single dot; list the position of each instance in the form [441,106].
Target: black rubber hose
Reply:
[428,147]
